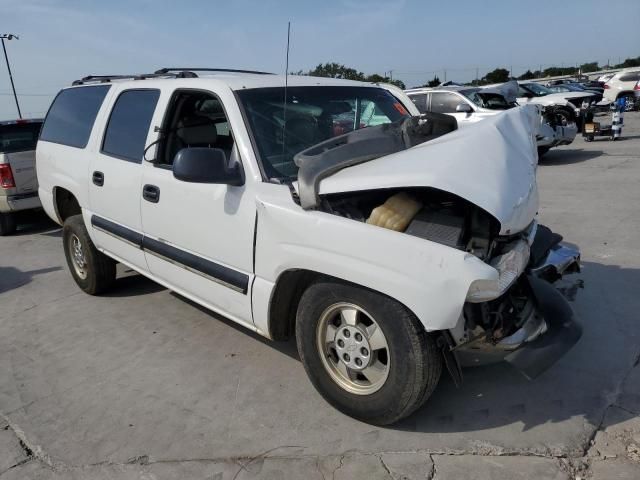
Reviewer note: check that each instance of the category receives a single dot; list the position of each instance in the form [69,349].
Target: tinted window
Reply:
[71,116]
[445,102]
[630,77]
[420,101]
[129,123]
[19,137]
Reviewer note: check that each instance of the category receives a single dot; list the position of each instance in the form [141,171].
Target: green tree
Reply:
[629,62]
[433,83]
[499,75]
[376,78]
[589,67]
[528,75]
[336,70]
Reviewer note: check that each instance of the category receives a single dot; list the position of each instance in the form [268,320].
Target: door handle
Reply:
[151,193]
[98,178]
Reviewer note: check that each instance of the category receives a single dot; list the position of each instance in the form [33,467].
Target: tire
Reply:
[7,224]
[94,272]
[542,151]
[413,361]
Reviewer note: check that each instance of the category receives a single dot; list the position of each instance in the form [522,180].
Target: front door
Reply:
[116,173]
[198,238]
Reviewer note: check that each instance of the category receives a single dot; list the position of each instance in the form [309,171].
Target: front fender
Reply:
[430,279]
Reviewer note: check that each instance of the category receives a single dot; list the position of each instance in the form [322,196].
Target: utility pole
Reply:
[477,79]
[10,36]
[445,76]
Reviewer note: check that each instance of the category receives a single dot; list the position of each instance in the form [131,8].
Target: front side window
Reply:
[72,114]
[444,102]
[195,119]
[19,137]
[312,115]
[129,123]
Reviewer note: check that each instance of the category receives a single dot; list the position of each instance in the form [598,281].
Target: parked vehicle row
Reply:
[470,105]
[392,246]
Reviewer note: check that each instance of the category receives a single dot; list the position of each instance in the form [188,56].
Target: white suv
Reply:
[387,251]
[621,85]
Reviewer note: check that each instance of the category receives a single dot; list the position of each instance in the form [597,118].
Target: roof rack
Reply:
[222,70]
[163,72]
[142,76]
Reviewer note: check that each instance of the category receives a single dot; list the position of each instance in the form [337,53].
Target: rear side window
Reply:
[630,77]
[420,100]
[19,137]
[72,114]
[129,123]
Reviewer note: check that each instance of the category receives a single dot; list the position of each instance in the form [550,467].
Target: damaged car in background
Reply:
[392,246]
[470,105]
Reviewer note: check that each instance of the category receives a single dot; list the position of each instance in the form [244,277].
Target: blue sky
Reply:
[61,40]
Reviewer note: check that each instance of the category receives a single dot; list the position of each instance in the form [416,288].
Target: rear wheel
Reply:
[7,224]
[365,353]
[92,270]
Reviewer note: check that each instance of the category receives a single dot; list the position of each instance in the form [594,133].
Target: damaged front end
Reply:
[529,324]
[473,191]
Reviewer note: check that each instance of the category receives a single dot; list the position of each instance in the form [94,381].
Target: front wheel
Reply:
[365,353]
[92,270]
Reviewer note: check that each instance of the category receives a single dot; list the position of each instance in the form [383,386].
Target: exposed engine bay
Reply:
[422,212]
[497,319]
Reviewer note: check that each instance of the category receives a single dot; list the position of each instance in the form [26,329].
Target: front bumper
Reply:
[560,135]
[549,332]
[14,203]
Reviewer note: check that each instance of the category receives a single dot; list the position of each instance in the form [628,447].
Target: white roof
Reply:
[240,81]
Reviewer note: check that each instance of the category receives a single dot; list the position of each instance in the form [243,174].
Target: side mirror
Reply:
[206,165]
[464,108]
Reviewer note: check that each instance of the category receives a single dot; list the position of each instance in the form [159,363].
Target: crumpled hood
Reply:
[491,164]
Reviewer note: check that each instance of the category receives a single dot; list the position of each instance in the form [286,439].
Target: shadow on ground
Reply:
[567,157]
[11,277]
[31,222]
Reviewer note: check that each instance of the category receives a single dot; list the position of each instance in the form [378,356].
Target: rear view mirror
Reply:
[206,165]
[464,108]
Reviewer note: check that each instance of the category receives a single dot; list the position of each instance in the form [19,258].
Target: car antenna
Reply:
[286,83]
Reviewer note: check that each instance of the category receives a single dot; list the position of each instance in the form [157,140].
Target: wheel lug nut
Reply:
[340,343]
[346,357]
[346,333]
[364,351]
[358,337]
[358,362]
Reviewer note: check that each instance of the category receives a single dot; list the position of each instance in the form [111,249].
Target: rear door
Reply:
[17,148]
[115,175]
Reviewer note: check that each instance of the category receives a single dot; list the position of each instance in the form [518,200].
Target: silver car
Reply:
[18,182]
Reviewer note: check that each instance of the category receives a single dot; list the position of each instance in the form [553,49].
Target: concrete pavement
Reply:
[143,384]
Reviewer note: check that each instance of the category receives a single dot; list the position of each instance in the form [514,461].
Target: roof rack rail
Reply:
[141,76]
[221,70]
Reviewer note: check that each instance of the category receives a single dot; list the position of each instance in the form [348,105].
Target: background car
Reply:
[575,87]
[18,182]
[621,85]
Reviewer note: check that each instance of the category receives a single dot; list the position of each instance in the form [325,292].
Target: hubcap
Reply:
[77,256]
[353,348]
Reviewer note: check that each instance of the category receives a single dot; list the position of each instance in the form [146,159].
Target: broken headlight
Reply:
[509,265]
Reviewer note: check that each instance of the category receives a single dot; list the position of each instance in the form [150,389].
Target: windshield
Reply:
[493,101]
[313,114]
[19,137]
[537,89]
